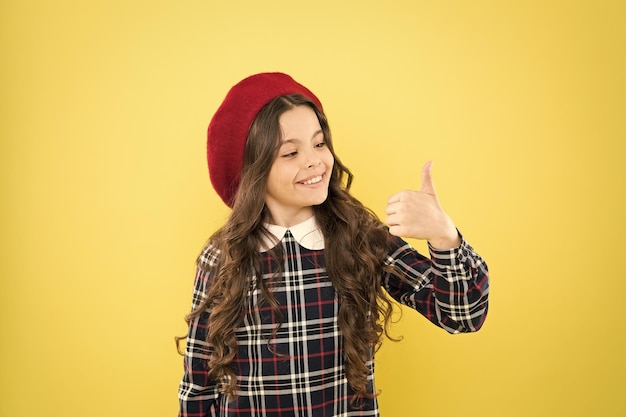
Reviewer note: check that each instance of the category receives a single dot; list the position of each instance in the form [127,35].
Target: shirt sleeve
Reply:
[197,394]
[451,289]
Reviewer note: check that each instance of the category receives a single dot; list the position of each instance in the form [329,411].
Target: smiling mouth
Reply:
[313,180]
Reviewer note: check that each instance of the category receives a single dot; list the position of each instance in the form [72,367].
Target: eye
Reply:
[290,154]
[321,144]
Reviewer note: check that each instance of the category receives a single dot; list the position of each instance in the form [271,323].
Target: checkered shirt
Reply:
[305,375]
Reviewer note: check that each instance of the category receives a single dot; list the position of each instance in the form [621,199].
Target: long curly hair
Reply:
[356,243]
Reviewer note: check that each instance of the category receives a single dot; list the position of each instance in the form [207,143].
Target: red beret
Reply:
[228,130]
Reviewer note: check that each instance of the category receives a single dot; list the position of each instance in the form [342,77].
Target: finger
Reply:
[392,220]
[395,230]
[393,207]
[428,186]
[394,198]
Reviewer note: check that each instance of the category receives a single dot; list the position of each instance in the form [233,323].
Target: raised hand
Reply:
[417,214]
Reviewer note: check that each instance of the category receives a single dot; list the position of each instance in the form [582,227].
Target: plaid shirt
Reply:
[305,376]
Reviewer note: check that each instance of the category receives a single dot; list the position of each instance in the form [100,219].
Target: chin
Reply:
[319,201]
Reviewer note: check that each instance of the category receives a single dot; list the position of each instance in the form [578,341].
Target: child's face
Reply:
[300,174]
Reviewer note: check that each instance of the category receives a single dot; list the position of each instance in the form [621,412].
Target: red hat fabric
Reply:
[228,130]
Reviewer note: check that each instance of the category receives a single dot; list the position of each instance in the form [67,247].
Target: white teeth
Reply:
[313,180]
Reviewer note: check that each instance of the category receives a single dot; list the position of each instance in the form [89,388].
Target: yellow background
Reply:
[106,199]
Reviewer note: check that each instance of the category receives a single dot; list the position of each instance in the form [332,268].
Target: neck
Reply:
[291,218]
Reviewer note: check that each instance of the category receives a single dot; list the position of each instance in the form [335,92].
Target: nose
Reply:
[314,163]
[313,159]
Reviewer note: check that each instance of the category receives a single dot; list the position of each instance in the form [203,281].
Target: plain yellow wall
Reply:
[106,199]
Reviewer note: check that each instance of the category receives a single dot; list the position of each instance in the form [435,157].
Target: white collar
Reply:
[307,234]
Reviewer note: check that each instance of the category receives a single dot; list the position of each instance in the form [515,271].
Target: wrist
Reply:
[450,241]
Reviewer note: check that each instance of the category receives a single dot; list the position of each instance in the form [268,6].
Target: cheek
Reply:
[279,175]
[271,179]
[329,160]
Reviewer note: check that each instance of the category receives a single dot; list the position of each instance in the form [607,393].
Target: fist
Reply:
[417,214]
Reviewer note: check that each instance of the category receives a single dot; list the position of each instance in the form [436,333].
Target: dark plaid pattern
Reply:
[301,372]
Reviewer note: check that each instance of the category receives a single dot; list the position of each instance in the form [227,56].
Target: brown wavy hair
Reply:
[356,243]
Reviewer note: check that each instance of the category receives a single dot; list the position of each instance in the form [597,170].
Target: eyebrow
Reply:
[292,140]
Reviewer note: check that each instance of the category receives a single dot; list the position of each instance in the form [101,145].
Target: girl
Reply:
[293,294]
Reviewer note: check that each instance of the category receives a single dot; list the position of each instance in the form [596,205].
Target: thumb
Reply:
[428,186]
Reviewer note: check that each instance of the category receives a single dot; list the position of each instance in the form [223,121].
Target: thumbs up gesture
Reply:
[417,214]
